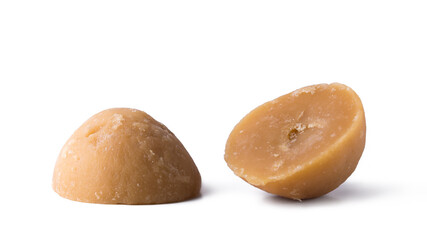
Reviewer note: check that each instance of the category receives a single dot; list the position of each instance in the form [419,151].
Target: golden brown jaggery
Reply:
[301,145]
[124,156]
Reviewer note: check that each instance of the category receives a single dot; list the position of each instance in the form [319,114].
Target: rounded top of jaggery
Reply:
[123,155]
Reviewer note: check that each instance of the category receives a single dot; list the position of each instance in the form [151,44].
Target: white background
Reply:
[199,67]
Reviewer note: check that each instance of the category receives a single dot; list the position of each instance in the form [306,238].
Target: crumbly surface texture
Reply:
[300,145]
[124,156]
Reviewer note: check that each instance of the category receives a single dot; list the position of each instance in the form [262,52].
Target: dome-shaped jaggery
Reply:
[124,156]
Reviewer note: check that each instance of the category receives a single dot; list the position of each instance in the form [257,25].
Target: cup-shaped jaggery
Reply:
[124,156]
[301,145]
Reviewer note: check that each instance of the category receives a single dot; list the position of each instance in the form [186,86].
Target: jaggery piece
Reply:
[301,145]
[125,156]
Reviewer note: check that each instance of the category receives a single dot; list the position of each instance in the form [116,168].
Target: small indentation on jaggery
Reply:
[93,130]
[292,135]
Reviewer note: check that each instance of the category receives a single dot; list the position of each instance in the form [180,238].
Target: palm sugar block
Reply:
[124,156]
[301,145]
